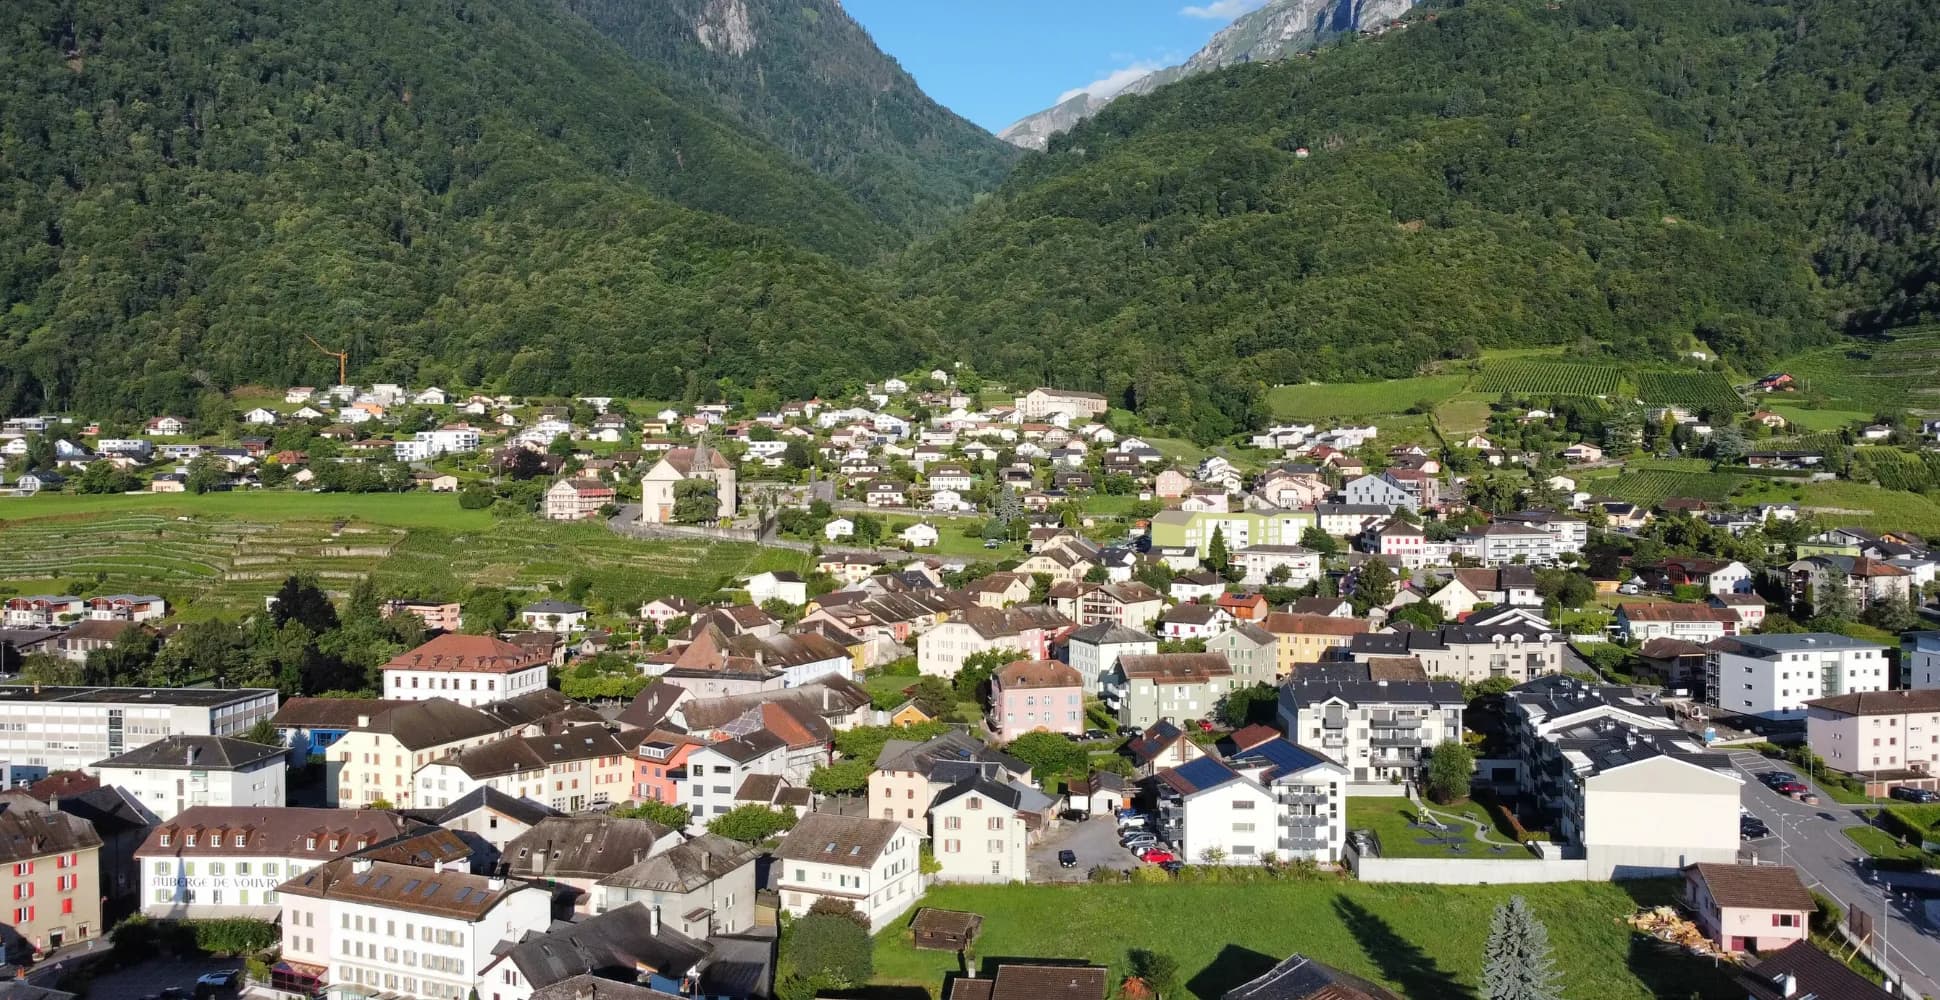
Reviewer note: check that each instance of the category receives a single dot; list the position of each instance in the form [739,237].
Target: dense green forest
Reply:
[1627,174]
[580,195]
[460,191]
[804,75]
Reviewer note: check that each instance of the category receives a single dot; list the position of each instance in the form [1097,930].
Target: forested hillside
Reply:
[462,191]
[1628,174]
[804,75]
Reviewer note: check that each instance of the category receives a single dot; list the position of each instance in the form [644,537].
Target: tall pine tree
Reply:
[1516,962]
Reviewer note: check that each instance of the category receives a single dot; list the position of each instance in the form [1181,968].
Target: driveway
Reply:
[1832,864]
[1094,840]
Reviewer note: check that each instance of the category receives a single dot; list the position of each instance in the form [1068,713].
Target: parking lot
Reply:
[150,978]
[1095,841]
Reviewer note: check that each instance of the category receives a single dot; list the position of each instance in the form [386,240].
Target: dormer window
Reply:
[309,843]
[333,843]
[240,840]
[167,839]
[190,841]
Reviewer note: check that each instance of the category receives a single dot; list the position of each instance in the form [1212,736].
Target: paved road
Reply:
[1831,864]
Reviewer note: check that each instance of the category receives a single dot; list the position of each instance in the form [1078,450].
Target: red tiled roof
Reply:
[481,654]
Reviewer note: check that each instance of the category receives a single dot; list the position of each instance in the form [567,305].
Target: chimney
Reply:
[706,856]
[358,866]
[190,754]
[495,883]
[1787,983]
[584,991]
[653,920]
[363,722]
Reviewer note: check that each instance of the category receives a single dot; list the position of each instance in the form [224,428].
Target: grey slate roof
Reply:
[686,867]
[201,753]
[486,797]
[614,945]
[584,846]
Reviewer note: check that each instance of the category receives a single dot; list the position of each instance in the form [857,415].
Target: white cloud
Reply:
[1114,81]
[1223,10]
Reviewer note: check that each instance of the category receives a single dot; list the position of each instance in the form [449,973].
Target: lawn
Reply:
[1858,504]
[1389,818]
[1801,418]
[1465,414]
[950,538]
[1425,941]
[1880,844]
[1361,399]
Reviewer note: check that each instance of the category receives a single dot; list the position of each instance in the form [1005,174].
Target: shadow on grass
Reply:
[1234,966]
[1400,960]
[881,993]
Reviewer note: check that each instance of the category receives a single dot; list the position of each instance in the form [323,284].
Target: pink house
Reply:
[660,766]
[1748,907]
[1031,695]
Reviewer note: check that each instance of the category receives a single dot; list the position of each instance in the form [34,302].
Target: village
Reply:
[1028,643]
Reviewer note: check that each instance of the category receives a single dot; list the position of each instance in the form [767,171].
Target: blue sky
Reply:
[995,61]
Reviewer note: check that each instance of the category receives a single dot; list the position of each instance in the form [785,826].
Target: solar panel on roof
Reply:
[430,889]
[412,886]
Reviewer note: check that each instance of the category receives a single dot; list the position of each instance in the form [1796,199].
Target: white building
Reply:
[978,832]
[182,772]
[72,728]
[869,863]
[581,768]
[702,887]
[1920,660]
[373,927]
[471,670]
[1380,728]
[716,771]
[1615,780]
[1215,814]
[1259,562]
[210,861]
[1773,676]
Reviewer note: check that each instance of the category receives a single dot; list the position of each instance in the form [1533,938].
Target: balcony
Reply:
[1394,720]
[1333,741]
[1303,798]
[1392,738]
[1304,843]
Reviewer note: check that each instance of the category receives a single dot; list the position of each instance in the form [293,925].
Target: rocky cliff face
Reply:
[724,27]
[1275,31]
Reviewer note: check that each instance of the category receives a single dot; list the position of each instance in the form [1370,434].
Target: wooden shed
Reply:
[945,930]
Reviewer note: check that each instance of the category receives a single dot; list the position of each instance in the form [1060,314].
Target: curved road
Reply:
[1832,864]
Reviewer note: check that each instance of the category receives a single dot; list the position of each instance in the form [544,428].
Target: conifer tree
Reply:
[1516,962]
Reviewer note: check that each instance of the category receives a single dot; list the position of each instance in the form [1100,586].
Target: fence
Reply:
[1468,871]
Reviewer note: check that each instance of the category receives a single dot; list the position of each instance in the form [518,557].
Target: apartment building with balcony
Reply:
[1502,642]
[1380,720]
[1616,782]
[1877,731]
[1273,798]
[1775,676]
[1178,686]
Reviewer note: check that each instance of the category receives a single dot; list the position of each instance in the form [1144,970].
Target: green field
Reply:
[1424,941]
[1859,505]
[1805,419]
[1391,817]
[223,553]
[1360,399]
[1694,390]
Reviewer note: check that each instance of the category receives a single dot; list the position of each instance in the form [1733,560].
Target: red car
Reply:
[1156,856]
[1791,787]
[1205,725]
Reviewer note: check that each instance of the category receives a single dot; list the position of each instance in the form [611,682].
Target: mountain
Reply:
[1635,177]
[1275,31]
[458,191]
[805,76]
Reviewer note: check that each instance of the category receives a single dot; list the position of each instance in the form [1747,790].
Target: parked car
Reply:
[1915,794]
[1141,841]
[1156,856]
[1753,828]
[1127,811]
[990,543]
[1067,858]
[1774,778]
[1131,823]
[218,984]
[1790,787]
[1205,725]
[1130,731]
[1097,734]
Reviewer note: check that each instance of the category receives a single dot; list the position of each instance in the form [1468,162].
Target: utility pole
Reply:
[343,359]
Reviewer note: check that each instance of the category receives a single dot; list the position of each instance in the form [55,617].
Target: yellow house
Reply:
[908,714]
[1308,638]
[377,759]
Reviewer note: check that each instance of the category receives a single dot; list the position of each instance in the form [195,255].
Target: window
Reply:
[240,840]
[1785,920]
[167,839]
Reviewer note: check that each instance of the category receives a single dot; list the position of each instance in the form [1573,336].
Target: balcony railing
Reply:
[1329,722]
[1394,739]
[1331,742]
[1303,798]
[1304,843]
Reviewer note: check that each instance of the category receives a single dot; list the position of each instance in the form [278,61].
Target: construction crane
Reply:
[343,358]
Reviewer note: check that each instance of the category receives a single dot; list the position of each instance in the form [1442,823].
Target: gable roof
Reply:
[202,753]
[1769,887]
[849,841]
[588,845]
[486,797]
[1033,982]
[1897,702]
[1198,775]
[619,943]
[1176,668]
[1302,978]
[1814,974]
[448,893]
[1038,674]
[685,867]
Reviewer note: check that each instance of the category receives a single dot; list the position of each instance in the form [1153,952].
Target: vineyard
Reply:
[1549,378]
[1697,391]
[1898,470]
[1650,487]
[1875,376]
[211,564]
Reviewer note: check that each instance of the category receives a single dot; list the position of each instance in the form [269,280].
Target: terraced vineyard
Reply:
[1696,391]
[1652,486]
[1549,378]
[1901,372]
[1898,470]
[207,564]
